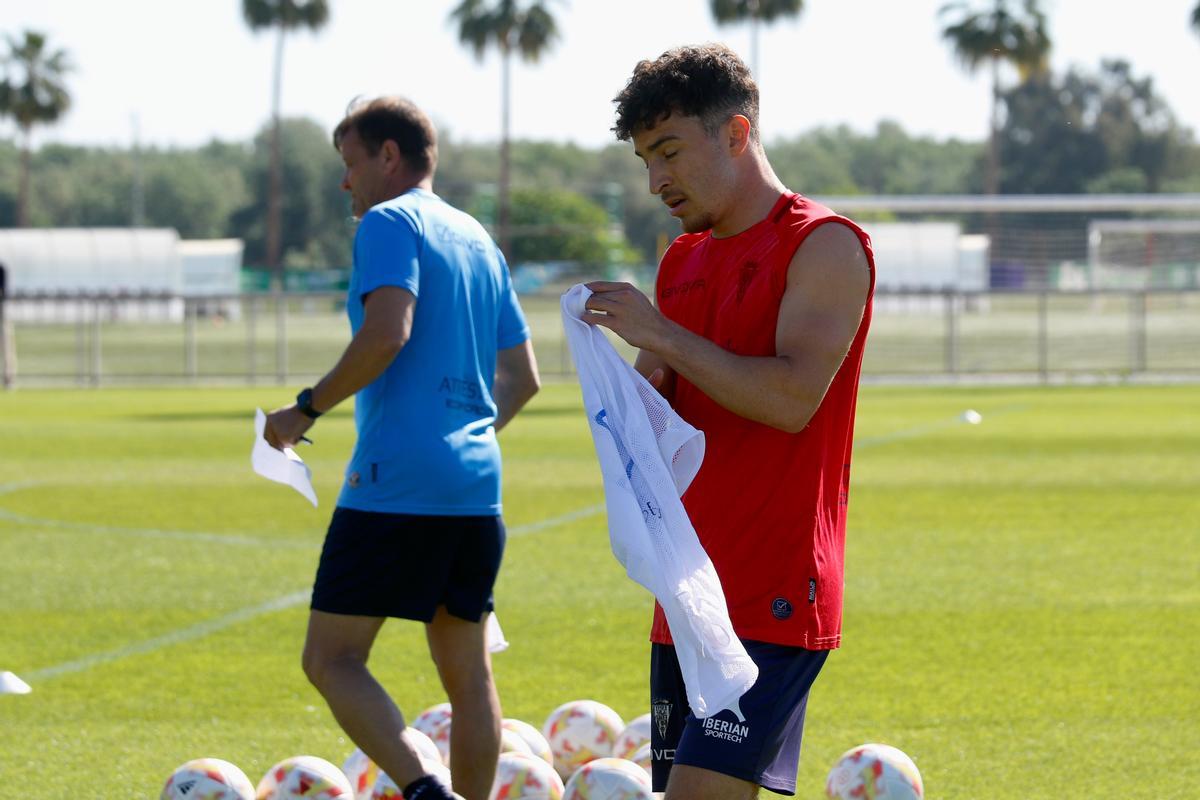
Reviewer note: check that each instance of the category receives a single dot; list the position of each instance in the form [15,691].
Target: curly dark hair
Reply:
[395,118]
[706,81]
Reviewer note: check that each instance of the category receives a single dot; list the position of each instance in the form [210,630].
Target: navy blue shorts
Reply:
[765,748]
[406,565]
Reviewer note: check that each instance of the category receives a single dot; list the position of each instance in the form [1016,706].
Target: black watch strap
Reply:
[304,403]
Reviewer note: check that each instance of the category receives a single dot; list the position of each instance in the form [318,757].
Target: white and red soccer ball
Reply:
[609,779]
[304,778]
[371,783]
[429,719]
[386,789]
[361,771]
[581,731]
[877,771]
[207,778]
[532,737]
[635,734]
[522,776]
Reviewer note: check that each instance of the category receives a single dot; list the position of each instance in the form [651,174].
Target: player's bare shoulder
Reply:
[835,244]
[832,258]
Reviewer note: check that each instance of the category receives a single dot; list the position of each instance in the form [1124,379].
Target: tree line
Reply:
[1100,130]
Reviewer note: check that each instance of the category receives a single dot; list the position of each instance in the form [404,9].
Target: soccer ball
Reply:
[386,789]
[369,781]
[428,720]
[304,778]
[635,734]
[878,771]
[426,749]
[533,737]
[209,779]
[644,758]
[441,740]
[580,731]
[361,771]
[521,776]
[511,742]
[609,779]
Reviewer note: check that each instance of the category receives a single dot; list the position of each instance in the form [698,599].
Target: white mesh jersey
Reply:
[648,456]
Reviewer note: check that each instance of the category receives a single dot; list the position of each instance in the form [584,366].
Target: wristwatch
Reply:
[304,403]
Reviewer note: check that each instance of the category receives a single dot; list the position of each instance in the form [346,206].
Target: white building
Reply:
[147,271]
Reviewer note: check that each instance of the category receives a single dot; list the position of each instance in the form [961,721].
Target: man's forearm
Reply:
[765,389]
[364,360]
[510,396]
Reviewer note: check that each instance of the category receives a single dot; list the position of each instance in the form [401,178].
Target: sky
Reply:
[178,74]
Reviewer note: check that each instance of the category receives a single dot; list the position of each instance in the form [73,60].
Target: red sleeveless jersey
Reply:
[768,506]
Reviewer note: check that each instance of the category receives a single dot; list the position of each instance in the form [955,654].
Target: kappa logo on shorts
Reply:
[781,608]
[662,716]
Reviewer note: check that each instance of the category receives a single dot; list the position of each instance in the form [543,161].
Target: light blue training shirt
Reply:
[426,444]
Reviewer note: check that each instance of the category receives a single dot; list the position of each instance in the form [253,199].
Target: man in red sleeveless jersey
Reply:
[756,338]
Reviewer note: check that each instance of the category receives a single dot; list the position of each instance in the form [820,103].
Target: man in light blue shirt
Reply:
[439,362]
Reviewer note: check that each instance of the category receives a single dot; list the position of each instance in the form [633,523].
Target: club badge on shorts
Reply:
[662,716]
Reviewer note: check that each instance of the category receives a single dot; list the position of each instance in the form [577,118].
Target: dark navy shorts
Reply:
[406,565]
[765,748]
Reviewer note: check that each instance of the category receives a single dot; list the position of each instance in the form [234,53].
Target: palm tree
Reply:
[726,12]
[528,28]
[32,93]
[283,16]
[992,35]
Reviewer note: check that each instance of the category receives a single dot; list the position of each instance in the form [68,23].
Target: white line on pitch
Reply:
[155,533]
[241,615]
[570,516]
[220,538]
[175,637]
[919,430]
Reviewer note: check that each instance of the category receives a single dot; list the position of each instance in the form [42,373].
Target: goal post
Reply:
[1031,242]
[1144,253]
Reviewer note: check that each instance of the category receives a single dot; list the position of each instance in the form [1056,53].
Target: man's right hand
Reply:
[285,426]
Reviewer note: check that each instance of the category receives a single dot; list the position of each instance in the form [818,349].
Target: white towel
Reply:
[648,456]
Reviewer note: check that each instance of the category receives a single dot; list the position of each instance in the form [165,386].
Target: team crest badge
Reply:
[662,716]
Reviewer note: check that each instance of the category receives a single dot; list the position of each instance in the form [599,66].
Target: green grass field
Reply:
[1022,613]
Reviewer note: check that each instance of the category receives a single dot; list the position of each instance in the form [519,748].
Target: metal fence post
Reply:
[281,346]
[8,346]
[96,362]
[190,311]
[950,298]
[1043,307]
[1137,331]
[81,344]
[252,340]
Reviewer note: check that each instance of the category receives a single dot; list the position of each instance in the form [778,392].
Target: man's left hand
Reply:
[285,426]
